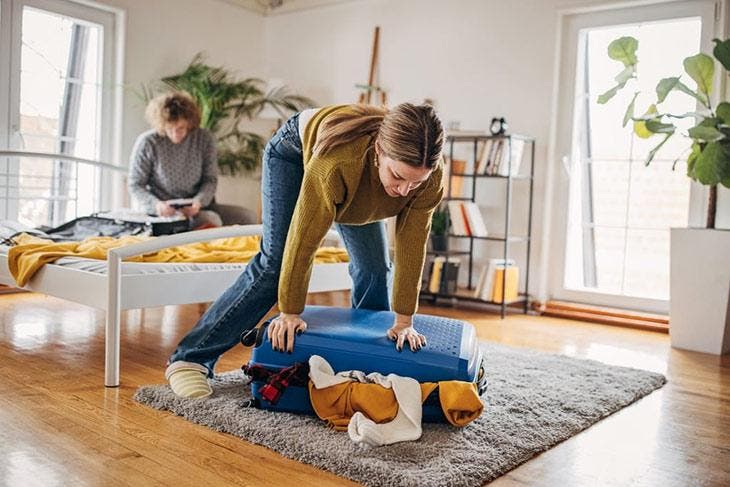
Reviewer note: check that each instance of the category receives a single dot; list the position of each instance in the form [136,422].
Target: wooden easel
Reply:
[368,89]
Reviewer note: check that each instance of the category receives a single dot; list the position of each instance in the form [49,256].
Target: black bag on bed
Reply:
[95,226]
[112,225]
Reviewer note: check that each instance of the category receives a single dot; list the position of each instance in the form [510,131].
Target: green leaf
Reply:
[692,160]
[723,112]
[722,164]
[664,87]
[640,128]
[656,126]
[653,152]
[722,52]
[625,75]
[701,68]
[713,164]
[624,49]
[708,134]
[698,96]
[710,122]
[608,95]
[630,110]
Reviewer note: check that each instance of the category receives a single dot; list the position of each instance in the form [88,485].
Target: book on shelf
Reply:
[450,276]
[516,149]
[473,214]
[456,216]
[487,284]
[509,277]
[466,219]
[496,157]
[437,266]
[483,157]
[444,275]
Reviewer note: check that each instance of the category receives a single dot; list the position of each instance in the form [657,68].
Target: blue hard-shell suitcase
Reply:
[353,339]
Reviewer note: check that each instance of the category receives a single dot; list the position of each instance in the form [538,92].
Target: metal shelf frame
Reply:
[507,238]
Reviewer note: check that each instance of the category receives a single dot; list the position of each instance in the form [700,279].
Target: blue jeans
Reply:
[247,301]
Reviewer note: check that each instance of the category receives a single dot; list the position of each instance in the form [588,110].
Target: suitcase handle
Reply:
[254,337]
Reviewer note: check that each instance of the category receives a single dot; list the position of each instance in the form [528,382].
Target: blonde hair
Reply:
[171,107]
[409,133]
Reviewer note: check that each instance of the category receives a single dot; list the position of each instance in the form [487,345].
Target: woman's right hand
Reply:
[282,330]
[164,209]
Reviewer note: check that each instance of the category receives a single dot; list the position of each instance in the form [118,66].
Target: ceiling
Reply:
[274,7]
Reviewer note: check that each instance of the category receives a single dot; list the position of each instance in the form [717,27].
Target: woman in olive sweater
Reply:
[348,165]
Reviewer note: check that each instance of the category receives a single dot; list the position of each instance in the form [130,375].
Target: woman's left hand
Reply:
[402,331]
[192,210]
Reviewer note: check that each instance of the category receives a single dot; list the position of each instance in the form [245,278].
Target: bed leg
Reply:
[113,318]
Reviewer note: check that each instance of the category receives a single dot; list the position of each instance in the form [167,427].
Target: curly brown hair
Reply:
[171,107]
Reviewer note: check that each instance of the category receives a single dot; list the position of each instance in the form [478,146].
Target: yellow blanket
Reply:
[31,253]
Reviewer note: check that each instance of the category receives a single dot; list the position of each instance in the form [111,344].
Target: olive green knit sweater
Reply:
[343,186]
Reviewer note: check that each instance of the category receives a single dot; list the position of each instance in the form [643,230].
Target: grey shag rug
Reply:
[534,401]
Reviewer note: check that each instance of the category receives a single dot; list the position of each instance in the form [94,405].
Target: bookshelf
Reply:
[506,238]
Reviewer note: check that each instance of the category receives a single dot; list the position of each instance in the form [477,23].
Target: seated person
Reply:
[176,159]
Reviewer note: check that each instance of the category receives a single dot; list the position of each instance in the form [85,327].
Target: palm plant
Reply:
[224,103]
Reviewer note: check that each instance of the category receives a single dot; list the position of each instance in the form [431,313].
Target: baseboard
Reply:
[604,315]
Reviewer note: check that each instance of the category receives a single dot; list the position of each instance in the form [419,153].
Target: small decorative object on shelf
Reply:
[498,156]
[498,126]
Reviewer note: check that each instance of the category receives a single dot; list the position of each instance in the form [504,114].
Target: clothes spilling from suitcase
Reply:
[347,372]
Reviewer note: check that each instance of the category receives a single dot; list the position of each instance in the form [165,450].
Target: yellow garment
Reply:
[336,404]
[343,186]
[31,253]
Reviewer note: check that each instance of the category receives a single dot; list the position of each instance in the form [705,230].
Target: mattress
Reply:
[138,268]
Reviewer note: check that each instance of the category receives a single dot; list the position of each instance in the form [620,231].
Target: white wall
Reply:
[162,36]
[475,58]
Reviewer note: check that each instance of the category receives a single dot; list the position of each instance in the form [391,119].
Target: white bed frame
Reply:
[116,291]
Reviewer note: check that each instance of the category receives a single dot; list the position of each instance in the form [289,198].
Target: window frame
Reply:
[571,22]
[112,53]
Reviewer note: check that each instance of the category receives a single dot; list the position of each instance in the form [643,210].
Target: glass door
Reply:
[613,213]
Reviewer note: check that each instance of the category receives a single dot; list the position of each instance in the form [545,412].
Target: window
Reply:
[620,210]
[60,65]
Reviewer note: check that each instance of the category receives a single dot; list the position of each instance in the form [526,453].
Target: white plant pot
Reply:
[699,309]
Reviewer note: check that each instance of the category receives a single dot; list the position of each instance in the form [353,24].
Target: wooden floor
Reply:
[60,426]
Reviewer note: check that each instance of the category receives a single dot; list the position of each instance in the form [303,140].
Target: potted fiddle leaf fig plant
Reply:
[700,272]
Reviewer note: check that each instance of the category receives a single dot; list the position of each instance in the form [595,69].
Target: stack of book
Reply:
[466,219]
[499,280]
[495,160]
[443,275]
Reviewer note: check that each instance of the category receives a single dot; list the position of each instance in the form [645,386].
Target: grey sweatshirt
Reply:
[160,170]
